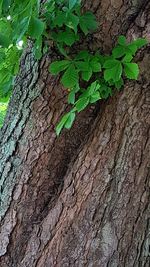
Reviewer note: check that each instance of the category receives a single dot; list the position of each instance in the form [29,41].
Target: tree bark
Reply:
[81,199]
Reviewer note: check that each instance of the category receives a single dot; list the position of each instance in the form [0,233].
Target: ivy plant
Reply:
[88,76]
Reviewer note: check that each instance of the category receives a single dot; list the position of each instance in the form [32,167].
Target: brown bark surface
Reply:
[81,199]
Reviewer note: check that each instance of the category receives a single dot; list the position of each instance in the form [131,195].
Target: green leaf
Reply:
[95,65]
[4,40]
[5,5]
[132,48]
[6,88]
[59,66]
[72,3]
[110,63]
[105,91]
[127,58]
[61,124]
[68,37]
[113,70]
[72,21]
[61,49]
[5,33]
[2,55]
[3,110]
[122,40]
[76,88]
[82,65]
[88,22]
[118,51]
[49,6]
[38,48]
[86,75]
[82,103]
[93,88]
[101,58]
[140,42]
[20,29]
[131,70]
[60,19]
[70,77]
[83,55]
[5,99]
[66,121]
[4,76]
[1,3]
[119,84]
[71,97]
[70,120]
[95,97]
[36,27]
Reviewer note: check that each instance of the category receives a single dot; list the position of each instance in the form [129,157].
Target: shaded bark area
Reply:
[82,199]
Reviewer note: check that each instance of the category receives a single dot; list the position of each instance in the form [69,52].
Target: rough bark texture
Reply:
[81,199]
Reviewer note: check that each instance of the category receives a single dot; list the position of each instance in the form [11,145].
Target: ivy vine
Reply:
[65,24]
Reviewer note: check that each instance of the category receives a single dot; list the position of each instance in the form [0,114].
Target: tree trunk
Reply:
[81,199]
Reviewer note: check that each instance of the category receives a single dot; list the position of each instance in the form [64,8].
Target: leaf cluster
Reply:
[65,22]
[18,21]
[88,77]
[101,74]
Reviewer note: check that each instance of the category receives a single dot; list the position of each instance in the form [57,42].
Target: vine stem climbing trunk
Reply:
[81,199]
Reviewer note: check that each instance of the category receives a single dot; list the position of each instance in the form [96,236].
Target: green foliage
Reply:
[36,27]
[131,70]
[113,70]
[107,71]
[9,65]
[18,20]
[72,3]
[3,109]
[66,121]
[87,22]
[87,76]
[70,77]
